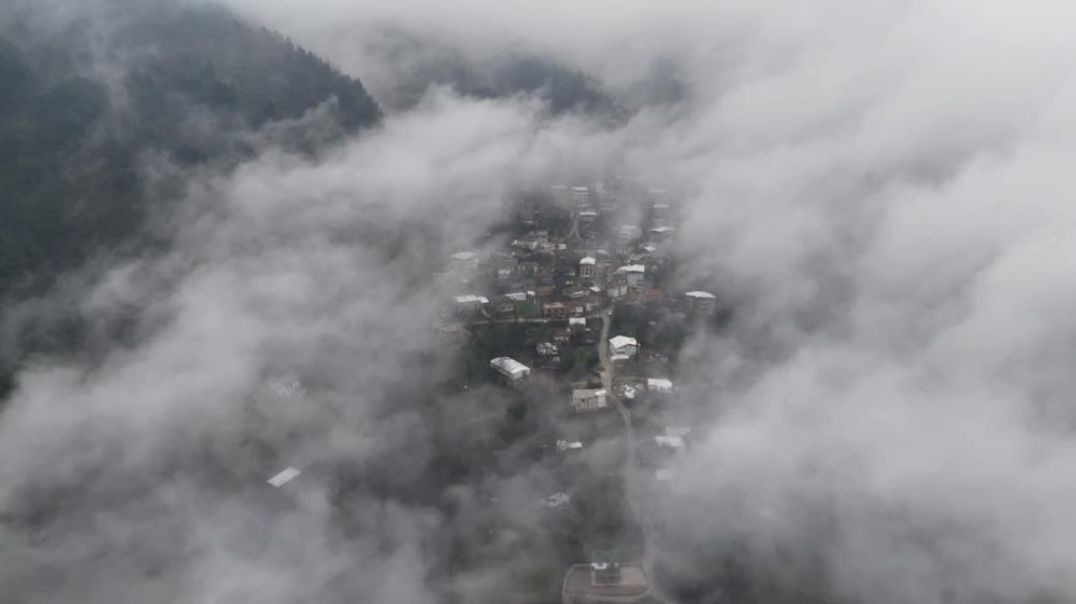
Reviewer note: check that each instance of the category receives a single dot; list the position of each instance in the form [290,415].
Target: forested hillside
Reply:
[85,101]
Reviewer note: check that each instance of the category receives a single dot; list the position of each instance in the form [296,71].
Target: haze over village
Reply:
[416,302]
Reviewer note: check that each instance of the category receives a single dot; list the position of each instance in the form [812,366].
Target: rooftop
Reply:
[510,367]
[659,384]
[700,295]
[472,299]
[588,260]
[464,256]
[621,341]
[632,268]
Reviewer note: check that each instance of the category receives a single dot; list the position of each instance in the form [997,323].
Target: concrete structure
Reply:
[470,302]
[700,302]
[587,267]
[633,275]
[564,446]
[589,400]
[659,385]
[555,310]
[581,196]
[515,372]
[464,261]
[623,346]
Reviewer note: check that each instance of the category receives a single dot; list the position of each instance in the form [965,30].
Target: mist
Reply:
[878,190]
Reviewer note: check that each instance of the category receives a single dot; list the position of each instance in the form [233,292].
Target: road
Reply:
[608,371]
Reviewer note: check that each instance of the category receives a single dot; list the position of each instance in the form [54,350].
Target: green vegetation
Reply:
[188,84]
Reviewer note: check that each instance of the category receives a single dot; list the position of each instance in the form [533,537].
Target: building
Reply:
[464,261]
[470,303]
[633,275]
[670,443]
[660,233]
[555,310]
[587,267]
[700,302]
[577,324]
[546,349]
[564,446]
[512,370]
[589,400]
[581,196]
[659,385]
[627,234]
[605,580]
[623,347]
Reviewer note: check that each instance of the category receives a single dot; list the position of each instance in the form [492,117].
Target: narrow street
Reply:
[607,373]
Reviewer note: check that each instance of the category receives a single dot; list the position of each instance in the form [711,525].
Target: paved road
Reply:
[608,370]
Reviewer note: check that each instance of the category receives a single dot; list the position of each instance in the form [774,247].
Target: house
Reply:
[700,302]
[557,501]
[577,324]
[587,267]
[659,385]
[623,347]
[627,234]
[589,400]
[670,443]
[512,370]
[470,302]
[464,261]
[564,446]
[555,310]
[633,275]
[580,196]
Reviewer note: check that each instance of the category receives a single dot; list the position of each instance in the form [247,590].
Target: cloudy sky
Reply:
[881,186]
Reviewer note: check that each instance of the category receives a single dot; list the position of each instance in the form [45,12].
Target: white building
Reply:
[701,302]
[464,261]
[577,324]
[624,347]
[633,274]
[659,385]
[672,443]
[514,371]
[564,446]
[587,267]
[589,400]
[470,301]
[581,196]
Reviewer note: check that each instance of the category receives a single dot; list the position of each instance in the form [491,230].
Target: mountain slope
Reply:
[86,98]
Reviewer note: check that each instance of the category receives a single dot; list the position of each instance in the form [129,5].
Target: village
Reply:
[579,316]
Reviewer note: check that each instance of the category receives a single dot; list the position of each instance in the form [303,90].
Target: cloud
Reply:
[881,187]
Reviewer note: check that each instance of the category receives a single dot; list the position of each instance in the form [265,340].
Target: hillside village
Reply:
[579,317]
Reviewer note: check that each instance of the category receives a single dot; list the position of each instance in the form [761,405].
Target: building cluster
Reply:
[575,268]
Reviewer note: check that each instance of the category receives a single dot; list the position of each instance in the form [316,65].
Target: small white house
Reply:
[464,261]
[587,266]
[581,196]
[623,346]
[470,302]
[514,371]
[577,324]
[700,301]
[564,446]
[633,274]
[659,385]
[589,400]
